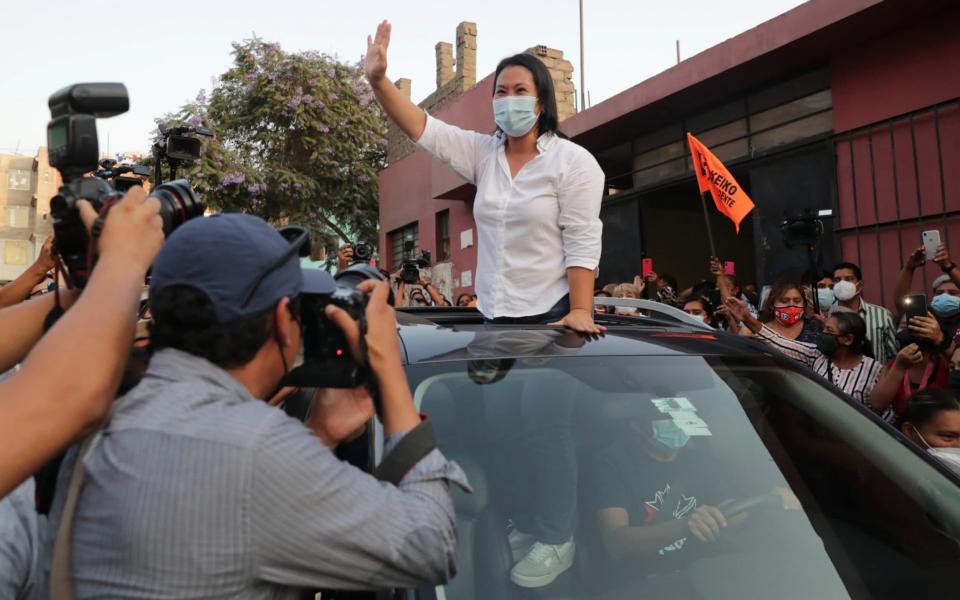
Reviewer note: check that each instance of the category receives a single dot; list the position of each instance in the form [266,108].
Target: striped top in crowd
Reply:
[857,382]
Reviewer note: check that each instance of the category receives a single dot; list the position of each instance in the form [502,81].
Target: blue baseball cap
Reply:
[242,264]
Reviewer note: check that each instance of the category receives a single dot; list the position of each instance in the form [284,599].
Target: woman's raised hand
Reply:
[375,62]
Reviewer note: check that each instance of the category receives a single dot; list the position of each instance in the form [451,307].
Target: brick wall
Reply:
[457,76]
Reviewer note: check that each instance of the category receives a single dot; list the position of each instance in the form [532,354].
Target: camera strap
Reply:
[61,567]
[414,447]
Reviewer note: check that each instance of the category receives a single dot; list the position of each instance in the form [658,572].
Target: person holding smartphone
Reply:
[919,365]
[537,205]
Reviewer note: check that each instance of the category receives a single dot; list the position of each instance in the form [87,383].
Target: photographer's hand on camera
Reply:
[382,354]
[339,415]
[344,257]
[67,382]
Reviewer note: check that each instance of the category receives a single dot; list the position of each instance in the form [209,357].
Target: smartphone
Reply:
[714,297]
[729,267]
[646,267]
[915,305]
[931,240]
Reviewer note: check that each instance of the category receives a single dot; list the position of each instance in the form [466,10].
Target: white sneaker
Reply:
[543,564]
[520,544]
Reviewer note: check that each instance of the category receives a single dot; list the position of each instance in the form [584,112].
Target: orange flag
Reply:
[713,176]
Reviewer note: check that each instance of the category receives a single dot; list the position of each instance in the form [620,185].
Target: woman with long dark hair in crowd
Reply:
[842,354]
[537,205]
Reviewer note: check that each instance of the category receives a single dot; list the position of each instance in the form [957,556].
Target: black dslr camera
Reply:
[410,267]
[328,361]
[73,150]
[362,252]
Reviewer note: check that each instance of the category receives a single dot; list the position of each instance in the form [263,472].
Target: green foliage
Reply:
[299,140]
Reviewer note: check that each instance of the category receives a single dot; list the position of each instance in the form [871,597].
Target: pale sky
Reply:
[165,52]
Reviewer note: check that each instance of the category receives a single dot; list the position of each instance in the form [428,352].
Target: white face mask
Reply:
[844,290]
[700,318]
[948,456]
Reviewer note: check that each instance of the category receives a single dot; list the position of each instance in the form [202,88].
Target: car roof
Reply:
[441,334]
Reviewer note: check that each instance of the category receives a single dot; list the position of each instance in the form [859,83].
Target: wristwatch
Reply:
[948,268]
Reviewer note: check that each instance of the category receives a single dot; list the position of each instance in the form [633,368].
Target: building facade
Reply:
[851,106]
[26,186]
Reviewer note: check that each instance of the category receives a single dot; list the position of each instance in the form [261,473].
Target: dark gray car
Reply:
[621,441]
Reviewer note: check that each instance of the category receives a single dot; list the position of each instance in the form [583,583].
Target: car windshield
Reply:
[599,477]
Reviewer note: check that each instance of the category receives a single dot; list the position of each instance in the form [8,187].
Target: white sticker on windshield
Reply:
[690,423]
[668,405]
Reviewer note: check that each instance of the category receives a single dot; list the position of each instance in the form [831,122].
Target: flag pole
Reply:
[706,219]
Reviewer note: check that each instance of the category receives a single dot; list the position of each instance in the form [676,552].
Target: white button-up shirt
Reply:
[530,228]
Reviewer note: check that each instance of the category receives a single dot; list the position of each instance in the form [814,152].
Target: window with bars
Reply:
[18,179]
[17,216]
[443,235]
[409,233]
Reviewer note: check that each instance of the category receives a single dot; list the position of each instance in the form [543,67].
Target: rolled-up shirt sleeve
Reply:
[319,522]
[580,193]
[459,149]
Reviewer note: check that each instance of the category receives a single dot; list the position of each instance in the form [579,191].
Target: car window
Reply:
[605,461]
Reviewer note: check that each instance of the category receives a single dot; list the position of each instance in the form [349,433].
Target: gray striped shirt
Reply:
[881,331]
[198,490]
[857,382]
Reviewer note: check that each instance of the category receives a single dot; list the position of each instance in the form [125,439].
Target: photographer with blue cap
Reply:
[199,488]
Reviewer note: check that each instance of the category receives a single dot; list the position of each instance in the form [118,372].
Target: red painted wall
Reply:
[914,67]
[410,187]
[894,180]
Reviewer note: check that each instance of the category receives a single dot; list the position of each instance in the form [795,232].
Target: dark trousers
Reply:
[559,311]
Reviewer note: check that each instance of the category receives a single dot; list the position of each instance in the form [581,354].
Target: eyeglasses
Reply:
[297,236]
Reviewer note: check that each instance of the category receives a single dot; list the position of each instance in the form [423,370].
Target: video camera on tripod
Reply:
[74,151]
[806,230]
[177,146]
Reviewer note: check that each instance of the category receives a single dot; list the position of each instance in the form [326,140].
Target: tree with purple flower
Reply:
[298,140]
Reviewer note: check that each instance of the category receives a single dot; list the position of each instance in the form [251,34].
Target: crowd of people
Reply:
[878,356]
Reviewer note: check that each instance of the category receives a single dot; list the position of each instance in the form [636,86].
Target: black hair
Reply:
[850,323]
[462,296]
[184,319]
[671,281]
[702,288]
[848,265]
[926,404]
[549,121]
[708,306]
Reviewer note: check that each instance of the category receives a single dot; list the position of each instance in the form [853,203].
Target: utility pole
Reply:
[583,97]
[678,52]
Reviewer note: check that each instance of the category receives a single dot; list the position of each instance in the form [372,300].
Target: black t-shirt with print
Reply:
[653,492]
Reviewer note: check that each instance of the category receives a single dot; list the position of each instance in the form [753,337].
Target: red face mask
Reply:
[788,315]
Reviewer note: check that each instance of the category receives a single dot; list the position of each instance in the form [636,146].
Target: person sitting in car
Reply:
[658,496]
[653,492]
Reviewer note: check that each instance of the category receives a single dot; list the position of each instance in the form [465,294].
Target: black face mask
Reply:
[827,343]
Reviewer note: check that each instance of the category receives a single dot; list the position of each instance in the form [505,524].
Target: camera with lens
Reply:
[177,146]
[804,229]
[328,360]
[410,267]
[74,151]
[117,174]
[362,252]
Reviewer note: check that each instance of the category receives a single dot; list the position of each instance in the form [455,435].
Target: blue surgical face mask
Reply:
[515,115]
[945,306]
[669,435]
[826,297]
